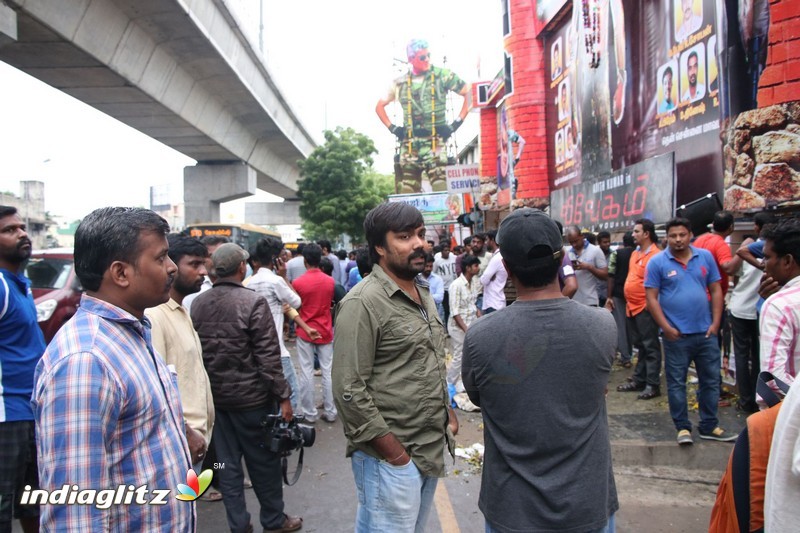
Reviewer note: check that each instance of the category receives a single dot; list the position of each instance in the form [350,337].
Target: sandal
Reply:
[630,386]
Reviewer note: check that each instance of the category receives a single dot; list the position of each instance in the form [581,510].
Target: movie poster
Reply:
[631,80]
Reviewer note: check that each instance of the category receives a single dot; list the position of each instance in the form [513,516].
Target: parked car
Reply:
[56,289]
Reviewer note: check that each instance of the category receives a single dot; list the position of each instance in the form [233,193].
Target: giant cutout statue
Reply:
[422,94]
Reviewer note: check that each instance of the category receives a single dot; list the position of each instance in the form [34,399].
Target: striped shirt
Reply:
[780,328]
[108,413]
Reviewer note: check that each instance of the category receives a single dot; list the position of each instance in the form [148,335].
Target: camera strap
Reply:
[298,470]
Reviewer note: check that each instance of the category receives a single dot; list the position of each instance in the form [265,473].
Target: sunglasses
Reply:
[423,57]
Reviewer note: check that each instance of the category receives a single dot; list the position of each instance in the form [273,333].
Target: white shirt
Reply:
[587,282]
[782,487]
[780,332]
[494,282]
[744,295]
[275,289]
[445,269]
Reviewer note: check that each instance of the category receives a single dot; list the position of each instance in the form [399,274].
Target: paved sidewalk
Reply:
[642,433]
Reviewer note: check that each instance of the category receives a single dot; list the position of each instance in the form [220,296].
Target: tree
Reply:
[339,186]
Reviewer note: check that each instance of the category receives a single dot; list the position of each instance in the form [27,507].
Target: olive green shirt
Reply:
[389,371]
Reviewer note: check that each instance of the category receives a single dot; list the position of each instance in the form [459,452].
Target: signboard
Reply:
[463,179]
[651,89]
[436,208]
[615,201]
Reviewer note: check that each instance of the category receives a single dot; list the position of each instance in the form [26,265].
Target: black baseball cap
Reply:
[527,236]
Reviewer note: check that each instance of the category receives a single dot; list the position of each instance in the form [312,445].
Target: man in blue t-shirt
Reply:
[21,347]
[677,284]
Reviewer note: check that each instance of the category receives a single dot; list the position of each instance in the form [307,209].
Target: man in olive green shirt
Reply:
[389,377]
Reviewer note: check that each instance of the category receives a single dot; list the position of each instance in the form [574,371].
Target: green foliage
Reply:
[339,186]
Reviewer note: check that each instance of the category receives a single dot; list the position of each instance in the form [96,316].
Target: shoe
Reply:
[318,372]
[649,393]
[685,437]
[747,409]
[719,434]
[626,364]
[631,386]
[328,418]
[247,483]
[290,523]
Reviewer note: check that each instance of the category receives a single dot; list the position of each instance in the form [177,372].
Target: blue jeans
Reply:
[610,527]
[291,378]
[391,498]
[706,356]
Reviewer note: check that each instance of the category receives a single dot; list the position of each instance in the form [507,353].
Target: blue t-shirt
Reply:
[757,249]
[682,288]
[21,346]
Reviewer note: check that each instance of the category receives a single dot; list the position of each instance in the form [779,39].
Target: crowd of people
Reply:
[177,357]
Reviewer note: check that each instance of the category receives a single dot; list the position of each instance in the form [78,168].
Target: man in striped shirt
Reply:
[107,408]
[780,315]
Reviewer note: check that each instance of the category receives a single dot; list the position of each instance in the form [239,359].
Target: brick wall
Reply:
[488,142]
[525,107]
[780,81]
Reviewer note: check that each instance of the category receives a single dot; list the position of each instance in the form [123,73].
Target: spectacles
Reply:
[423,57]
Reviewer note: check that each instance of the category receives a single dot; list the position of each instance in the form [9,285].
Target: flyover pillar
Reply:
[206,185]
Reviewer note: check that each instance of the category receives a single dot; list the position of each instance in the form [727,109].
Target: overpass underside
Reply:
[181,72]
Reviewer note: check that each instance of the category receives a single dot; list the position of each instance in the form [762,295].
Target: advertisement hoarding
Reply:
[436,208]
[616,200]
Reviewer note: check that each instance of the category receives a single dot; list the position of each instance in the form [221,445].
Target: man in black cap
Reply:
[548,466]
[242,356]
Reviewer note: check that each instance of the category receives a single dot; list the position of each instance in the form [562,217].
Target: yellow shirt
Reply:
[176,341]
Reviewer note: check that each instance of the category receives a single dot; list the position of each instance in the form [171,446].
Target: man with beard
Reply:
[694,91]
[677,283]
[176,341]
[21,347]
[108,413]
[389,378]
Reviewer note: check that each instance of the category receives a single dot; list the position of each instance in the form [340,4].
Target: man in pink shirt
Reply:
[316,291]
[780,315]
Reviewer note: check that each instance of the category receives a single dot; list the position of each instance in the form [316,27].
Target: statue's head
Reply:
[418,55]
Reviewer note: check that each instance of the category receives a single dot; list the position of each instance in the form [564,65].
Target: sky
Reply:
[332,67]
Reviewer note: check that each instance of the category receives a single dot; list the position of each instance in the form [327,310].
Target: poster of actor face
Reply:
[654,91]
[563,114]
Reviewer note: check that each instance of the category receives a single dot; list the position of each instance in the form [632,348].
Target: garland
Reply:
[410,131]
[591,25]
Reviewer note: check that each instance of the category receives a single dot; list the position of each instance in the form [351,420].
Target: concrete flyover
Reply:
[180,71]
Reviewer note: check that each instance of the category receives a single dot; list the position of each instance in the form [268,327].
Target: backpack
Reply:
[739,507]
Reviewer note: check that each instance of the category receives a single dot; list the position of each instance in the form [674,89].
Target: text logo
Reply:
[195,486]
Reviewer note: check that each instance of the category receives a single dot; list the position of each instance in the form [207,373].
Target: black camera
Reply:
[285,437]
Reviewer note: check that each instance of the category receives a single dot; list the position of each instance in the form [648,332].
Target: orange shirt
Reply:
[635,295]
[720,250]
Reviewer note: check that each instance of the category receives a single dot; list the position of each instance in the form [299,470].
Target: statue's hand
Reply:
[398,132]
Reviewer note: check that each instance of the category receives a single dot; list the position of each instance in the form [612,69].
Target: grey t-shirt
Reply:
[587,282]
[539,370]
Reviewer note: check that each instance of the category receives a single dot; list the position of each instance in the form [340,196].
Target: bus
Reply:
[245,235]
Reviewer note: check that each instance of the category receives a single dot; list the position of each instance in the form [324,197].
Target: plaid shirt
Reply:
[108,413]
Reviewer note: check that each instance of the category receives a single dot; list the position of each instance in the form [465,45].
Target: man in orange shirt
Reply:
[641,325]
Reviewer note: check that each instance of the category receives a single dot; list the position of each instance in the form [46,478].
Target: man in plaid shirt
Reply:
[107,408]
